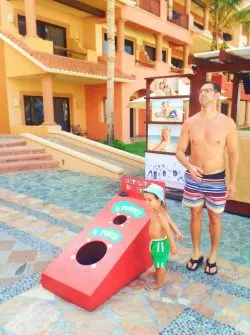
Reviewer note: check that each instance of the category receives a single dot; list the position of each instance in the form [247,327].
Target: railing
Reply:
[177,18]
[144,60]
[152,6]
[68,52]
[198,25]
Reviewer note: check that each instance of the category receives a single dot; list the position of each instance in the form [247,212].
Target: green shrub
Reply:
[116,144]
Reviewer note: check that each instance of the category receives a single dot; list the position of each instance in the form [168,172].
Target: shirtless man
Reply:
[210,134]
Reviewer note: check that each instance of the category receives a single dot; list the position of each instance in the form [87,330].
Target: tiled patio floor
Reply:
[41,212]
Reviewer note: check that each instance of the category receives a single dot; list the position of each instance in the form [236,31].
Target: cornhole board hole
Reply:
[108,254]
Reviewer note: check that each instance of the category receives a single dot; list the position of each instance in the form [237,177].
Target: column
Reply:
[235,98]
[163,10]
[48,106]
[247,113]
[187,7]
[185,56]
[237,33]
[206,18]
[159,47]
[1,12]
[30,14]
[120,35]
[229,108]
[170,8]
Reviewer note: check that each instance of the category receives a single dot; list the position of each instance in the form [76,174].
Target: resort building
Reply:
[53,60]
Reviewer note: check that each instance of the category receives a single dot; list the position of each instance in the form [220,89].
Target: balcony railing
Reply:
[68,52]
[177,18]
[198,25]
[152,6]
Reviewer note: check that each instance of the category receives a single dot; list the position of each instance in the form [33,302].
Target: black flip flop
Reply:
[210,266]
[197,262]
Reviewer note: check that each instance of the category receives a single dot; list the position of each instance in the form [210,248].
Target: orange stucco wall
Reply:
[94,94]
[141,122]
[4,115]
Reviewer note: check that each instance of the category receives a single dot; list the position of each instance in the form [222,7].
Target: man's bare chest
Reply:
[208,134]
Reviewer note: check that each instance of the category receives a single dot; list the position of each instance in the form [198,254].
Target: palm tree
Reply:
[111,69]
[224,14]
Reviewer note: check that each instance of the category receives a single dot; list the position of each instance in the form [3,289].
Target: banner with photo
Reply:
[167,110]
[171,86]
[165,168]
[163,137]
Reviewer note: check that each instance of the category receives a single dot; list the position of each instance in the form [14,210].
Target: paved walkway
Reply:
[41,212]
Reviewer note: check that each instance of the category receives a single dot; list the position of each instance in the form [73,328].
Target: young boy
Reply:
[161,224]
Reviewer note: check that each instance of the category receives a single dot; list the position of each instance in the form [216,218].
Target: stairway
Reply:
[16,155]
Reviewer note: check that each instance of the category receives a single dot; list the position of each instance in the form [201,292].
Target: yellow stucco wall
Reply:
[241,113]
[55,13]
[4,122]
[243,176]
[19,87]
[17,64]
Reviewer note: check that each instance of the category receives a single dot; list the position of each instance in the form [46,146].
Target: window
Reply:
[224,108]
[198,25]
[105,44]
[47,31]
[150,52]
[21,25]
[164,56]
[33,108]
[129,47]
[227,37]
[177,62]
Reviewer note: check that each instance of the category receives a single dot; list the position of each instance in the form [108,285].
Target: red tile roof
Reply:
[61,63]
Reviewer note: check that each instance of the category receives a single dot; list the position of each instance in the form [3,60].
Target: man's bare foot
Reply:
[194,263]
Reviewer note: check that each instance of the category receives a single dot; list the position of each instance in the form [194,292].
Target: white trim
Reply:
[73,153]
[98,145]
[243,52]
[54,70]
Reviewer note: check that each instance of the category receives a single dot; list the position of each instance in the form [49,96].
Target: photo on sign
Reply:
[165,86]
[170,86]
[165,168]
[167,110]
[163,138]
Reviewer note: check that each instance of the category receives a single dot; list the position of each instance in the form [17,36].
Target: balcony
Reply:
[177,18]
[152,6]
[58,50]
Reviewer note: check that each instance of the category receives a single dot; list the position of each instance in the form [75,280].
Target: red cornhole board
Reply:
[108,254]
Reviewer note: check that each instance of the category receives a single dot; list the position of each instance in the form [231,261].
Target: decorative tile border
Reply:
[190,322]
[12,290]
[42,216]
[31,241]
[214,281]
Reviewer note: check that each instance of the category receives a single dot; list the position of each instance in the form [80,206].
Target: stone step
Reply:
[26,157]
[12,143]
[21,150]
[28,165]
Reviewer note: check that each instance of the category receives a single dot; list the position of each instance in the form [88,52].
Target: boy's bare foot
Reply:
[152,275]
[152,287]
